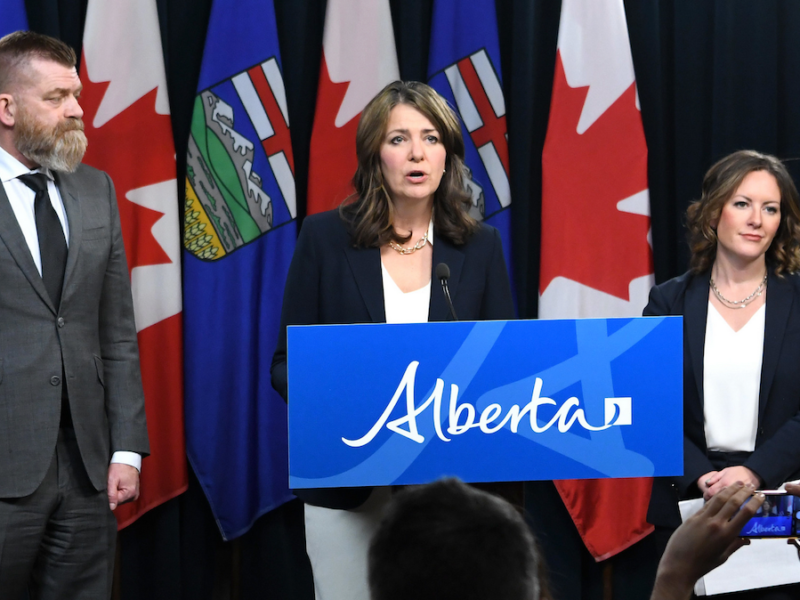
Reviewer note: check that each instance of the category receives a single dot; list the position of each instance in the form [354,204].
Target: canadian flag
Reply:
[596,258]
[358,60]
[130,137]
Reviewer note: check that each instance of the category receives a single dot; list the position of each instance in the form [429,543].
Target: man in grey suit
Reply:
[72,421]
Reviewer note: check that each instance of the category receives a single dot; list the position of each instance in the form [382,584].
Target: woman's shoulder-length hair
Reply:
[369,212]
[719,185]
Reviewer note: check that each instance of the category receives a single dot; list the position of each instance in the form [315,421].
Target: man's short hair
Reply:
[447,540]
[19,48]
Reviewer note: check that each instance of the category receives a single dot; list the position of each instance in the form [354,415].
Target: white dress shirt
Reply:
[21,198]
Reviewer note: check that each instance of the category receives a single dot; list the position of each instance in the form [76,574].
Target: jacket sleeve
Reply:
[778,458]
[300,301]
[695,461]
[657,305]
[497,303]
[119,347]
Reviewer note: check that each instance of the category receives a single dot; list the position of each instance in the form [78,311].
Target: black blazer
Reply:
[331,282]
[777,453]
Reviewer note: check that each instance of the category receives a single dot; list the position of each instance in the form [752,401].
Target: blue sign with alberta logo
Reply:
[378,404]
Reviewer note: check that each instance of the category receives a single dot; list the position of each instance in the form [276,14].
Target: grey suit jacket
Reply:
[92,332]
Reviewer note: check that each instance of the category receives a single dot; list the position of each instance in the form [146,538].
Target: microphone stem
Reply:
[446,290]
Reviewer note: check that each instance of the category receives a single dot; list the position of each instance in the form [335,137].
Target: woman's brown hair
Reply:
[369,211]
[719,185]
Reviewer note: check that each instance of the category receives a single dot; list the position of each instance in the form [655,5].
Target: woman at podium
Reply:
[378,259]
[741,307]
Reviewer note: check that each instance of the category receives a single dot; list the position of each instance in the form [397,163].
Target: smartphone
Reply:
[779,516]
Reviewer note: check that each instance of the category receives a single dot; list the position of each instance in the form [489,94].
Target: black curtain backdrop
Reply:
[713,77]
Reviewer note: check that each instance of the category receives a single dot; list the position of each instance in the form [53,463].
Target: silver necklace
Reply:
[398,248]
[740,303]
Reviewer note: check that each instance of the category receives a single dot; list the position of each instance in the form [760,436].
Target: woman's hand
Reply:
[704,481]
[713,482]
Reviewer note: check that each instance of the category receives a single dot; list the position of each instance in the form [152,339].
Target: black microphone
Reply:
[443,274]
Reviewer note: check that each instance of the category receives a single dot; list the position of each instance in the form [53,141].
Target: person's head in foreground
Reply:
[748,211]
[446,540]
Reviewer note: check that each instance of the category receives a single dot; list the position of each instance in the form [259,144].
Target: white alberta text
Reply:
[462,417]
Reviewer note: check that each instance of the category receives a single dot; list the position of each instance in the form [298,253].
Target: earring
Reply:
[444,170]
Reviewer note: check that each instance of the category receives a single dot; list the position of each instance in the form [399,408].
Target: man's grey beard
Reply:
[61,149]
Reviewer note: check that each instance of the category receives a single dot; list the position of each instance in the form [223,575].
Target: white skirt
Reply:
[337,542]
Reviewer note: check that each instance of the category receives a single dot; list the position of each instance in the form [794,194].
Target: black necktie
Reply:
[52,244]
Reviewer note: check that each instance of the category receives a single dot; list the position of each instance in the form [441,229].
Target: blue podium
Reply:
[379,404]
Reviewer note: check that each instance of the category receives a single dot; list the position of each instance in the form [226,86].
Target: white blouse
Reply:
[410,307]
[731,381]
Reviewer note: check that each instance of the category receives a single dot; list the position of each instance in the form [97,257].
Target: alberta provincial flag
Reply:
[239,235]
[464,67]
[14,16]
[596,258]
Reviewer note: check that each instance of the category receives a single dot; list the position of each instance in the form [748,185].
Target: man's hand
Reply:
[705,541]
[715,482]
[123,484]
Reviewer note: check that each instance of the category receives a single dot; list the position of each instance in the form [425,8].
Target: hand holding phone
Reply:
[777,517]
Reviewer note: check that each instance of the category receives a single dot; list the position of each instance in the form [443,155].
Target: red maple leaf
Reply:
[136,149]
[332,157]
[585,237]
[117,148]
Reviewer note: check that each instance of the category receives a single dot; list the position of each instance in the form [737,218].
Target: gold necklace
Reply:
[398,248]
[739,303]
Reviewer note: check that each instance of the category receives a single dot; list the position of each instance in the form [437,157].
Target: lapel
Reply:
[72,206]
[695,314]
[779,303]
[366,266]
[11,234]
[444,252]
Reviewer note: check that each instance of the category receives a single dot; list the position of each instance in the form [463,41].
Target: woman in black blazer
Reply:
[745,240]
[376,256]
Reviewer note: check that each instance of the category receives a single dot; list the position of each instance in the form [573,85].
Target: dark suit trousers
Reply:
[59,541]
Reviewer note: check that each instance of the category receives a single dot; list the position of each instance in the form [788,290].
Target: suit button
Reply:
[761,431]
[55,380]
[60,321]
